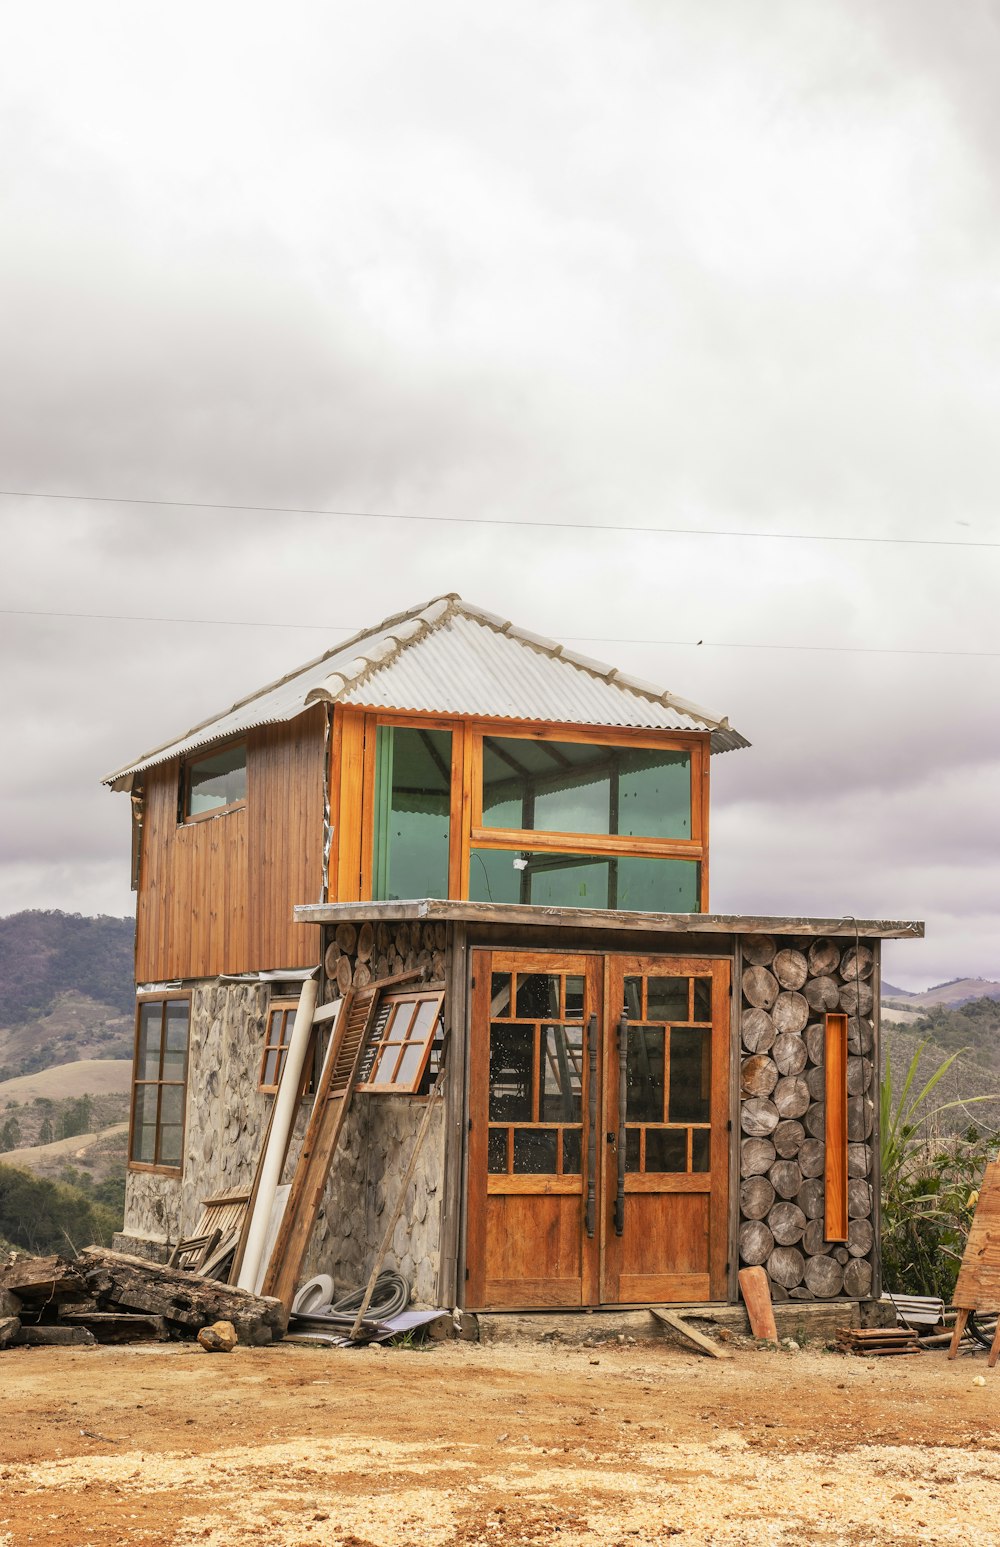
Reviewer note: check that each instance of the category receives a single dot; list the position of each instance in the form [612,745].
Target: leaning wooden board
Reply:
[978,1286]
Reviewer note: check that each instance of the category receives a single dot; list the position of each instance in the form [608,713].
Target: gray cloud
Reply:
[728,266]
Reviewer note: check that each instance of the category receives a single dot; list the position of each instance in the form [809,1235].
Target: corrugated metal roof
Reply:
[448,657]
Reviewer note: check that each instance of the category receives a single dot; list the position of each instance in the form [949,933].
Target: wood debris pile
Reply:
[870,1341]
[109,1297]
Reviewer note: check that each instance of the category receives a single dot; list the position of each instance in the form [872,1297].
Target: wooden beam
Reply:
[677,1324]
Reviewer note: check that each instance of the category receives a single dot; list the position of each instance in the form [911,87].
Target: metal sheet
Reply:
[448,657]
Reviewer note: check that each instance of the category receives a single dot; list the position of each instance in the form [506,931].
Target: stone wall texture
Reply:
[788,987]
[225,1120]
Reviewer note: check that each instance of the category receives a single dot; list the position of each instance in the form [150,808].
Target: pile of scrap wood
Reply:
[108,1297]
[869,1341]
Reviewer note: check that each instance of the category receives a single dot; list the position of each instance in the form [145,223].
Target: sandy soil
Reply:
[461,1444]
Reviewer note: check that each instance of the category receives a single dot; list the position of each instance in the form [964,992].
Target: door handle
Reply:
[592,1126]
[622,1097]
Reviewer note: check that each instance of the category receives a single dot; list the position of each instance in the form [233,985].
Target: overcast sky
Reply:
[728,266]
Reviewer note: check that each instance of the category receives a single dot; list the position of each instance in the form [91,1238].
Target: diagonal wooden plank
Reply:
[701,1342]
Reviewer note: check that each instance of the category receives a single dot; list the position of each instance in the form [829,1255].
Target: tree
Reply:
[45,1133]
[10,1134]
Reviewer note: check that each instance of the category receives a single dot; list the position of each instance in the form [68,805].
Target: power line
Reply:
[553,526]
[592,639]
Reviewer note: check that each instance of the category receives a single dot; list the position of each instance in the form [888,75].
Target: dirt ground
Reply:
[464,1444]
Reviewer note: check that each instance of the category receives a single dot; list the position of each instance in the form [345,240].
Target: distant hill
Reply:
[957,991]
[42,954]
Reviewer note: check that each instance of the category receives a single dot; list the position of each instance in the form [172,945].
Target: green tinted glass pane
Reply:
[690,1075]
[644,1075]
[147,1063]
[560,1076]
[571,1152]
[512,1053]
[497,1151]
[658,885]
[412,809]
[218,780]
[654,794]
[667,999]
[584,881]
[666,1149]
[534,1151]
[701,1146]
[573,787]
[537,995]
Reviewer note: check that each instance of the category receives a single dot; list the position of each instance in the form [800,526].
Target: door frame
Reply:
[725,1143]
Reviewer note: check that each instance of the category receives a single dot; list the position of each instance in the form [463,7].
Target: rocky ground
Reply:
[623,1444]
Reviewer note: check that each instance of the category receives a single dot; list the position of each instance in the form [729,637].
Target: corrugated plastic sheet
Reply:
[450,658]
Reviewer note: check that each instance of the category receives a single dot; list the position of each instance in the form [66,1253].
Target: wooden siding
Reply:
[216,896]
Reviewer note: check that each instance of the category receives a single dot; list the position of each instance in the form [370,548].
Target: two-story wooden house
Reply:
[641,1094]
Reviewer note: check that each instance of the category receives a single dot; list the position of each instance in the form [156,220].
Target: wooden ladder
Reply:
[341,1067]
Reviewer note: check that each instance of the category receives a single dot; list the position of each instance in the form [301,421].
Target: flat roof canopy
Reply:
[606,918]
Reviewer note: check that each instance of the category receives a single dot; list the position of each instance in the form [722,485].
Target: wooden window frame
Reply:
[352,783]
[187,818]
[180,996]
[390,1002]
[286,1008]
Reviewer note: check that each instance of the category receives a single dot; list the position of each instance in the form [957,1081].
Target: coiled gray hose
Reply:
[392,1295]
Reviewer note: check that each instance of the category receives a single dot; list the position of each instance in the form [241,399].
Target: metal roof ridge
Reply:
[427,617]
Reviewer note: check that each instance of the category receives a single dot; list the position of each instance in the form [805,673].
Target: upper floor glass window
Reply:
[538,785]
[215,782]
[412,821]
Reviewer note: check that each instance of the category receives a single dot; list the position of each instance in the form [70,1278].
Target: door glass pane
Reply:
[574,787]
[633,998]
[701,1147]
[690,1075]
[500,994]
[644,1085]
[537,995]
[512,1052]
[633,1139]
[703,999]
[147,1063]
[667,999]
[534,1151]
[666,1149]
[560,1076]
[497,1151]
[571,1152]
[412,811]
[574,998]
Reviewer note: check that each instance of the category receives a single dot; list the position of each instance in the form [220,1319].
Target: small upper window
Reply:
[277,1037]
[216,782]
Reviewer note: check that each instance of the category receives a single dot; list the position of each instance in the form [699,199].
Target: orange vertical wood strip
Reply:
[836,1225]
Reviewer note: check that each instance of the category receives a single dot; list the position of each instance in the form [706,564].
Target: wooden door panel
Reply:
[538,1249]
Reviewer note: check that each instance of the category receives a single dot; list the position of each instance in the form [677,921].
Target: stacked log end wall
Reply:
[788,987]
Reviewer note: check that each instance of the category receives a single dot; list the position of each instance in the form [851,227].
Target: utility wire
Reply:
[592,639]
[554,526]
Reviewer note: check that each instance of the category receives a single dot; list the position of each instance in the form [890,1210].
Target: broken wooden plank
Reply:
[118,1326]
[677,1324]
[184,1299]
[56,1337]
[756,1290]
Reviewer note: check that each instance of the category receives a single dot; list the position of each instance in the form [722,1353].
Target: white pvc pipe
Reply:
[285,1103]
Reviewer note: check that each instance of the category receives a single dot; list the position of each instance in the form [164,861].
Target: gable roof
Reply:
[449,657]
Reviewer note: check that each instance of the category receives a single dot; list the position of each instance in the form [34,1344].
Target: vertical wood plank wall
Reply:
[217,895]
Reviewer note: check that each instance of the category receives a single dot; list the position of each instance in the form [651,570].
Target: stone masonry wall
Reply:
[225,1119]
[788,987]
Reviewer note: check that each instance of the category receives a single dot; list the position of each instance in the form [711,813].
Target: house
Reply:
[514,840]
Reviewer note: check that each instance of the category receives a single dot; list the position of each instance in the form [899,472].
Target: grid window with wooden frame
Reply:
[407,1026]
[214,783]
[159,1083]
[278,1035]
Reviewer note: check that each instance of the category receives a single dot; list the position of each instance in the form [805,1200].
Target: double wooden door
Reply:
[598,1166]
